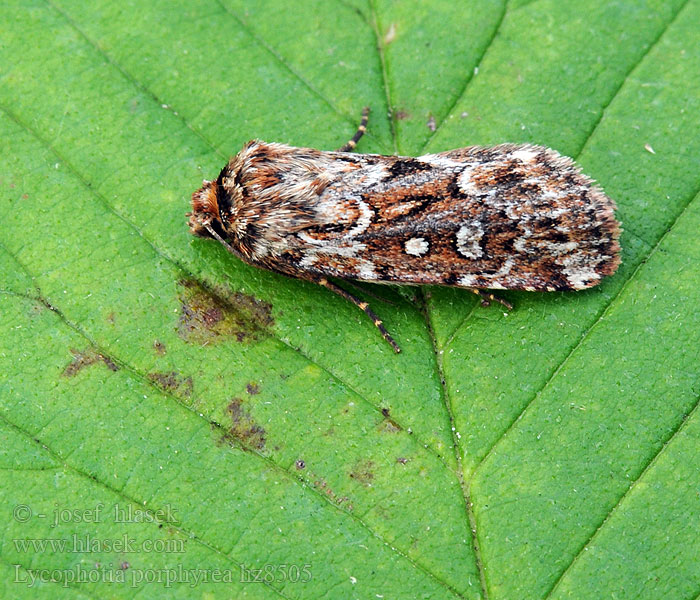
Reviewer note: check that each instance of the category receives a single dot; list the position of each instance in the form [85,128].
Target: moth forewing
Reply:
[511,216]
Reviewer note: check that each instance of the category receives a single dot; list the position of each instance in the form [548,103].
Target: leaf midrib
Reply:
[466,485]
[588,137]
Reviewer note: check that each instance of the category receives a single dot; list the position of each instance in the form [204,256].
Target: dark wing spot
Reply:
[349,158]
[558,236]
[407,166]
[454,190]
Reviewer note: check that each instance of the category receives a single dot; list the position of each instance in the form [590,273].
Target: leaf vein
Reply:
[585,334]
[624,80]
[648,467]
[469,78]
[464,485]
[281,60]
[385,79]
[61,459]
[139,376]
[209,143]
[138,85]
[86,184]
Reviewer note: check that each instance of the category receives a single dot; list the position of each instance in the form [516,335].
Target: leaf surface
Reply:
[261,422]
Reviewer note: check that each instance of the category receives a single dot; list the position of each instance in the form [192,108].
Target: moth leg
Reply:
[364,307]
[487,298]
[350,146]
[371,294]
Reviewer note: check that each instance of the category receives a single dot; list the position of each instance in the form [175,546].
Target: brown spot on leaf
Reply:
[252,388]
[173,383]
[401,115]
[243,427]
[389,426]
[209,316]
[85,358]
[322,486]
[401,460]
[159,347]
[362,472]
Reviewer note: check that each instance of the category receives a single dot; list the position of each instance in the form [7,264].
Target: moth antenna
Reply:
[364,307]
[350,146]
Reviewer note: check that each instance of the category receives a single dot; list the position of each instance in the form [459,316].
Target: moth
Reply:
[512,216]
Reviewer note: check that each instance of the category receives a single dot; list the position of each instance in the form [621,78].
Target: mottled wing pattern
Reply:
[503,217]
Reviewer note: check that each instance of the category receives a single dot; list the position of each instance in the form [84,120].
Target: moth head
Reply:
[205,211]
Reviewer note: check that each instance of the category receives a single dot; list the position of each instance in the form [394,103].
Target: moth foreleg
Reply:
[487,298]
[358,134]
[364,307]
[369,293]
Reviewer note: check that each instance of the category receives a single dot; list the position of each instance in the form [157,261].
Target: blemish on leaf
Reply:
[85,358]
[243,427]
[173,383]
[431,124]
[159,347]
[401,460]
[252,388]
[300,464]
[36,309]
[322,486]
[363,473]
[390,34]
[388,425]
[210,316]
[401,115]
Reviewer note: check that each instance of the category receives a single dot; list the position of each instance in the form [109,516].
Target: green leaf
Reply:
[177,424]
